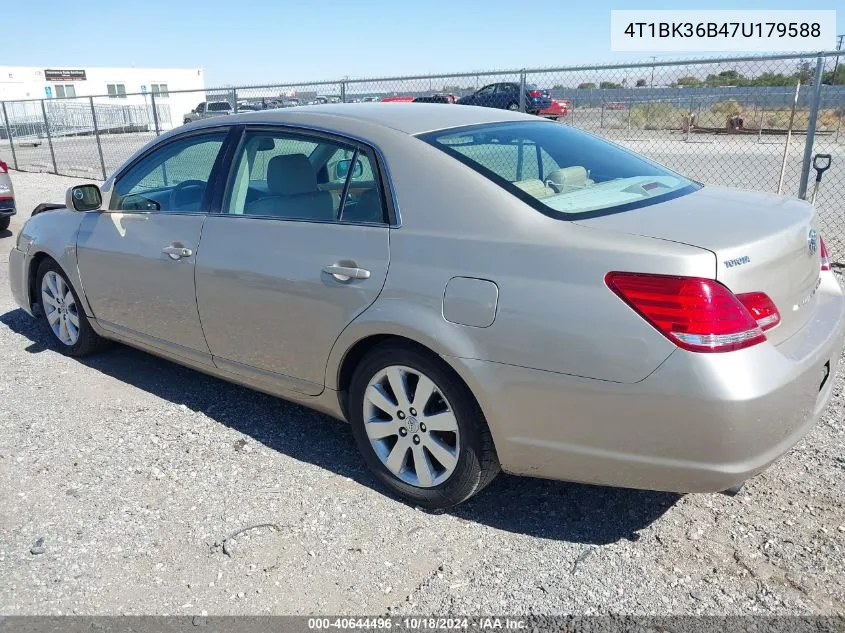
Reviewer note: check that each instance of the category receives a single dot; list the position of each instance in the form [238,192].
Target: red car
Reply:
[403,98]
[558,108]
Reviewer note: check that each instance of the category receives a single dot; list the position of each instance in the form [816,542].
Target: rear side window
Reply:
[561,171]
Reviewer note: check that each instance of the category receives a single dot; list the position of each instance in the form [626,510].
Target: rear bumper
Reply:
[7,208]
[699,423]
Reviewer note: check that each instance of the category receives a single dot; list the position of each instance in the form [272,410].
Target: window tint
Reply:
[487,90]
[219,106]
[283,175]
[172,178]
[574,172]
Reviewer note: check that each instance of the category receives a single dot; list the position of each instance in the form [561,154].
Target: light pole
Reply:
[839,39]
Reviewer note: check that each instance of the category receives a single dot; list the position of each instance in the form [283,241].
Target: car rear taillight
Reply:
[762,309]
[824,256]
[697,314]
[4,168]
[535,93]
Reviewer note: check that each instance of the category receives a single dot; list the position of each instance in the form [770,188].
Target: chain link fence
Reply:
[751,122]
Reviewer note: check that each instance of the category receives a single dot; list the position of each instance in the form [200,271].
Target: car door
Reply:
[484,97]
[298,250]
[505,95]
[136,258]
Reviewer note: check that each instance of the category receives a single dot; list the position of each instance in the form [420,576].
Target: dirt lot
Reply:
[122,475]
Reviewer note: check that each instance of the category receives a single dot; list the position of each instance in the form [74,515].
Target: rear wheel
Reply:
[419,429]
[62,313]
[5,222]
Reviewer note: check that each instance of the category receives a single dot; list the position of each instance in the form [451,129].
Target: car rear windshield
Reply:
[559,170]
[219,105]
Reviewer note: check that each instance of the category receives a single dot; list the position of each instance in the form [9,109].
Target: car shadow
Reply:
[548,509]
[5,233]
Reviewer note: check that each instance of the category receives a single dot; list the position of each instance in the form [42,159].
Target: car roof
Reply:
[411,118]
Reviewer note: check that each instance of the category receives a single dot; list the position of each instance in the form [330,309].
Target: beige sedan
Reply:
[472,289]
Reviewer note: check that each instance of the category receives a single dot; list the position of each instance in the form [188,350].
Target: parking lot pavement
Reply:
[125,481]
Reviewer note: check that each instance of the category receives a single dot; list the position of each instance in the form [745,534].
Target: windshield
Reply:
[559,170]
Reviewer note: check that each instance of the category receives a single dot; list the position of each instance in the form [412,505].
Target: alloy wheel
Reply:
[411,426]
[60,308]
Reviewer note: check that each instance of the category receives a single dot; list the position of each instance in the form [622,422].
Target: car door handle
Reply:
[177,252]
[346,273]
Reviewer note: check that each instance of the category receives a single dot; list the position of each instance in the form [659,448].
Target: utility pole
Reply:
[839,39]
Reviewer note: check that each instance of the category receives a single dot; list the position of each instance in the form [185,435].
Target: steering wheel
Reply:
[195,186]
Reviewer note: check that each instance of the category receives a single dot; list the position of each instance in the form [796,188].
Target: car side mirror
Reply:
[343,166]
[84,198]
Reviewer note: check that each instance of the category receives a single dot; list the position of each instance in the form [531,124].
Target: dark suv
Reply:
[506,96]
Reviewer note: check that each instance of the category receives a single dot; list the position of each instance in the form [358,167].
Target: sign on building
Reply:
[53,74]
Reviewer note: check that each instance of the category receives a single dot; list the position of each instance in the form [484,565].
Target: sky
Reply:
[241,42]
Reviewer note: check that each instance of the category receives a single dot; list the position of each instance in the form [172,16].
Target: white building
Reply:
[125,91]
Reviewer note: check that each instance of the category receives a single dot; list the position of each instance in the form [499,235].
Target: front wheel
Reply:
[63,314]
[419,429]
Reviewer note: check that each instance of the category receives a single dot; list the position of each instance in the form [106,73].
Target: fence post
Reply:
[9,133]
[49,137]
[601,119]
[155,112]
[343,92]
[235,100]
[522,91]
[97,136]
[811,128]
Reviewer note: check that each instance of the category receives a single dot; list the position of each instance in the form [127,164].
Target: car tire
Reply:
[64,318]
[5,222]
[513,107]
[469,456]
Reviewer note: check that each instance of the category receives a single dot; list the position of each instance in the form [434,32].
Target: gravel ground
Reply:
[122,475]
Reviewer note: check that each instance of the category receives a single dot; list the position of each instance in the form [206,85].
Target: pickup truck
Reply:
[207,110]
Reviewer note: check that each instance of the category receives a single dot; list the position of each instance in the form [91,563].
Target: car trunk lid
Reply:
[762,243]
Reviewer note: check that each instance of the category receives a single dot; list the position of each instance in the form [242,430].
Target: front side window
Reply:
[292,176]
[560,170]
[173,178]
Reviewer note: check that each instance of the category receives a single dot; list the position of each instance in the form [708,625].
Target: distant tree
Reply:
[586,85]
[726,78]
[805,72]
[688,82]
[607,85]
[641,83]
[559,87]
[772,79]
[829,79]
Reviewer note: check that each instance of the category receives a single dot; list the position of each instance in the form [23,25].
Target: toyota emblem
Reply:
[812,242]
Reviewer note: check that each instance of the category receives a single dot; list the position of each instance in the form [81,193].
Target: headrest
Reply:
[290,175]
[570,176]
